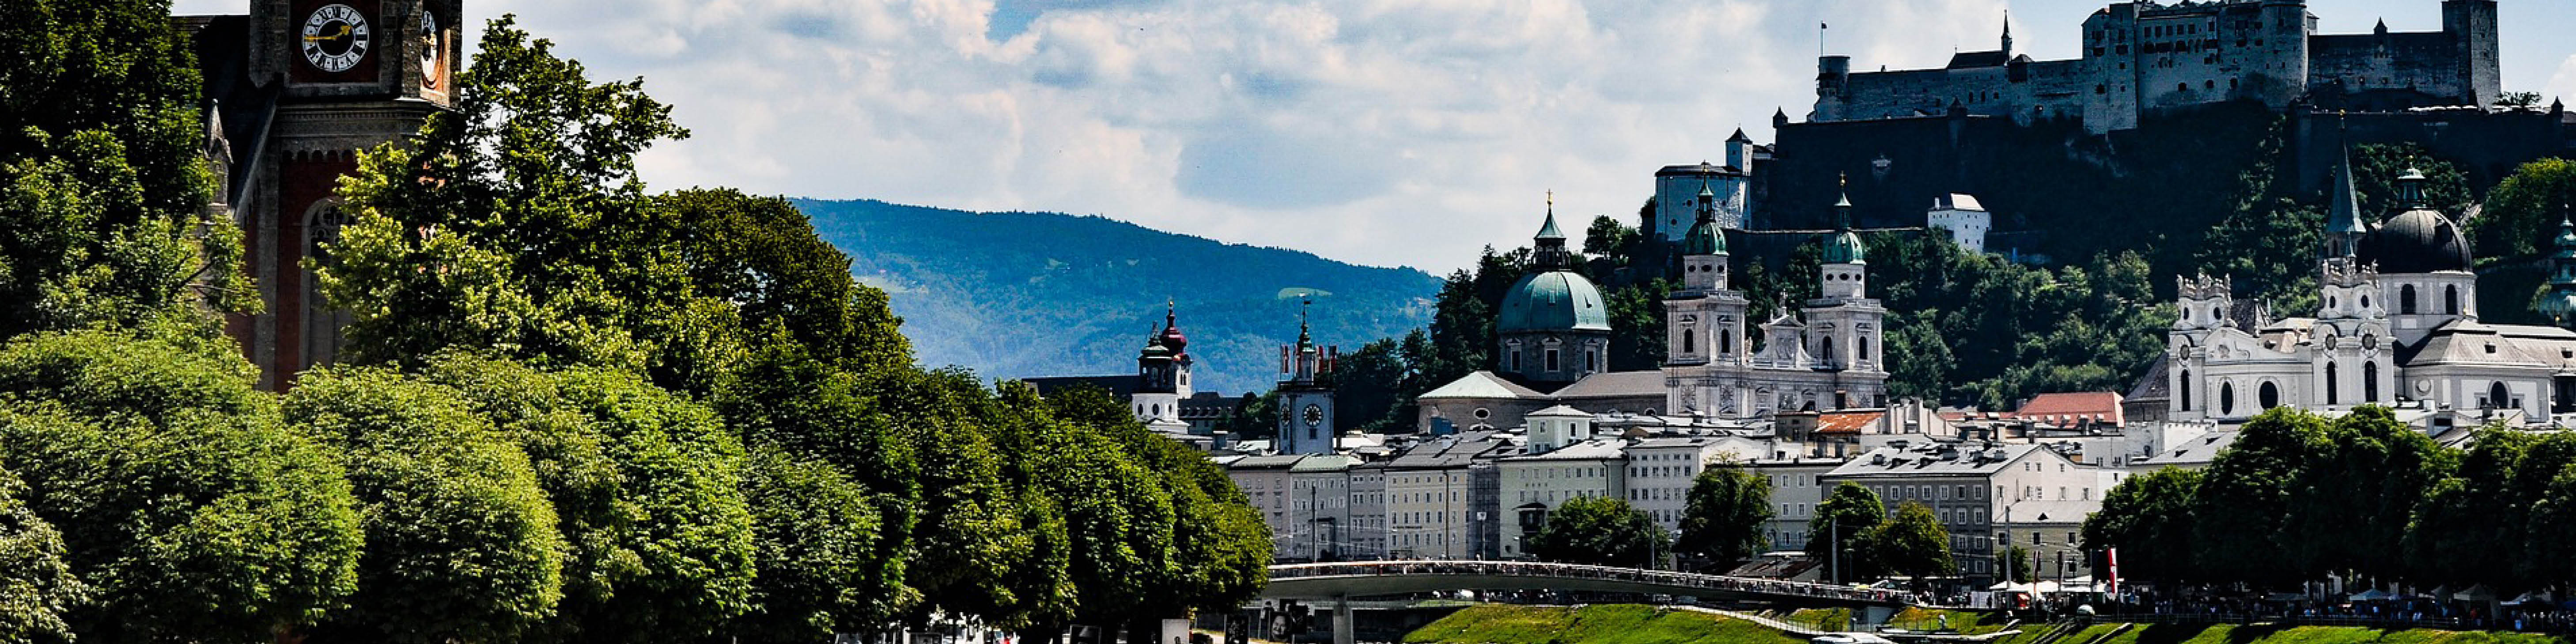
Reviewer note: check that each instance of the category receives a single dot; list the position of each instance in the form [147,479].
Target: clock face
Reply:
[335,38]
[430,50]
[1314,415]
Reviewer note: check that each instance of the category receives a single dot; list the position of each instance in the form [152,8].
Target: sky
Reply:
[1369,131]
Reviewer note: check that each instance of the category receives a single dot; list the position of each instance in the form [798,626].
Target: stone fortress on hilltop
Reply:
[2142,56]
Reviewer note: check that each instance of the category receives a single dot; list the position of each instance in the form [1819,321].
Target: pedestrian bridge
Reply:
[1368,578]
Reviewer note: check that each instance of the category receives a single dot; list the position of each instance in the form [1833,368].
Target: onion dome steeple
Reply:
[2419,240]
[1704,238]
[1844,246]
[2559,303]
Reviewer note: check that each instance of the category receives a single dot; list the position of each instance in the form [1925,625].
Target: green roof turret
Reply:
[1704,237]
[1844,246]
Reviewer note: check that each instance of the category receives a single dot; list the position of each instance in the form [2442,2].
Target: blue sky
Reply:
[1372,131]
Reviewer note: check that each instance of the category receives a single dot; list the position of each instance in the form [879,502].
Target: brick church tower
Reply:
[295,89]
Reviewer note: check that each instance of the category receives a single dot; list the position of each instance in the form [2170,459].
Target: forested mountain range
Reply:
[1024,294]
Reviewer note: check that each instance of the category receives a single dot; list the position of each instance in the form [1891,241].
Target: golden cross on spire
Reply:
[1551,200]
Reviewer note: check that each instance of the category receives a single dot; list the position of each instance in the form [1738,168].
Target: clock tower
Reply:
[299,86]
[1305,401]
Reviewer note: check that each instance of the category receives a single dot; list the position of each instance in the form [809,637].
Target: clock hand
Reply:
[344,33]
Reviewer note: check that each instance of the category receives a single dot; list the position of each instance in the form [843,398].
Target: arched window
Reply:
[2330,384]
[1825,349]
[2451,299]
[1863,353]
[322,324]
[2370,382]
[2268,395]
[2227,398]
[2185,390]
[2497,396]
[2406,300]
[1687,344]
[1726,342]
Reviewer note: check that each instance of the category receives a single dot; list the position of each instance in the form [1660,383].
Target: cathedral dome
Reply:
[2419,241]
[1552,301]
[1704,239]
[1845,248]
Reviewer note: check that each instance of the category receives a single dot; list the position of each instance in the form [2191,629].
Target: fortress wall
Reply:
[2486,145]
[1875,95]
[2428,62]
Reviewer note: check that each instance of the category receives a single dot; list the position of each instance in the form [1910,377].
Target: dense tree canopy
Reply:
[1600,531]
[180,496]
[1836,529]
[1911,543]
[1723,518]
[461,543]
[37,588]
[103,186]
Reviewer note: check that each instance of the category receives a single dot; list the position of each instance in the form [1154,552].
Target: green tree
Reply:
[1118,521]
[1637,325]
[1370,388]
[648,488]
[1911,543]
[2518,99]
[818,569]
[1724,514]
[514,223]
[2352,504]
[37,588]
[1611,239]
[763,255]
[2520,216]
[182,501]
[2016,563]
[2149,519]
[104,188]
[2250,485]
[461,542]
[1600,531]
[1837,526]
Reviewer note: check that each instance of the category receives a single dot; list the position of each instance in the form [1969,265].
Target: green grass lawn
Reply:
[1599,624]
[2267,634]
[1822,619]
[1965,622]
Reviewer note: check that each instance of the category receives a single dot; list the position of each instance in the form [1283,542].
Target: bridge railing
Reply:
[1750,585]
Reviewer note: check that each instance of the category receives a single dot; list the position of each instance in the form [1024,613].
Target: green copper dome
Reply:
[1845,248]
[1704,239]
[1552,301]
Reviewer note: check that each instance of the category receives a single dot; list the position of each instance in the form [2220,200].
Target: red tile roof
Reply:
[2068,408]
[1846,422]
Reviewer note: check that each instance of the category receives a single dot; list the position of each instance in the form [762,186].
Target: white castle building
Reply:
[2397,321]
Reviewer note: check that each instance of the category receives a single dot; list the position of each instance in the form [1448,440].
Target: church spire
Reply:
[1549,247]
[2344,229]
[2007,34]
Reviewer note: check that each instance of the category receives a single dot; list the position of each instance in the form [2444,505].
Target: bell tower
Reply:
[338,76]
[1305,400]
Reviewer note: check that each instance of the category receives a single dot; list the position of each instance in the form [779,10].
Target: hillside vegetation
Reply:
[1021,294]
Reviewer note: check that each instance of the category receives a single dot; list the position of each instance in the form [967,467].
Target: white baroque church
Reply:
[1552,338]
[2397,321]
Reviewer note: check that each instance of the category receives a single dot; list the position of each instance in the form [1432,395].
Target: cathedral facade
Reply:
[1553,328]
[1825,355]
[297,87]
[2397,322]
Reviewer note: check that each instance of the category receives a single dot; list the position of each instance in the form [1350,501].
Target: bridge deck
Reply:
[1366,578]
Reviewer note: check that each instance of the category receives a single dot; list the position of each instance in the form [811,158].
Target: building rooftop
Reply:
[1481,384]
[1935,461]
[1591,450]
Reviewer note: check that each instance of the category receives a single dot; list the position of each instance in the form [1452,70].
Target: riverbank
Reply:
[1639,624]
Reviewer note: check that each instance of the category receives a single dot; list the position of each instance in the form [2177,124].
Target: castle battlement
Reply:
[2138,57]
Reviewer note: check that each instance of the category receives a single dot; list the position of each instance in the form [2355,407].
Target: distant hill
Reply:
[1021,294]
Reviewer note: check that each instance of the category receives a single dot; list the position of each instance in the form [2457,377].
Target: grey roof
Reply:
[1621,384]
[1968,460]
[1595,449]
[2153,385]
[2054,511]
[1324,463]
[2197,450]
[1452,451]
[1267,462]
[2466,341]
[1481,384]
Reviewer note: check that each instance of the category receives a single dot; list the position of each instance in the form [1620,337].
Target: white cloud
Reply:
[2562,85]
